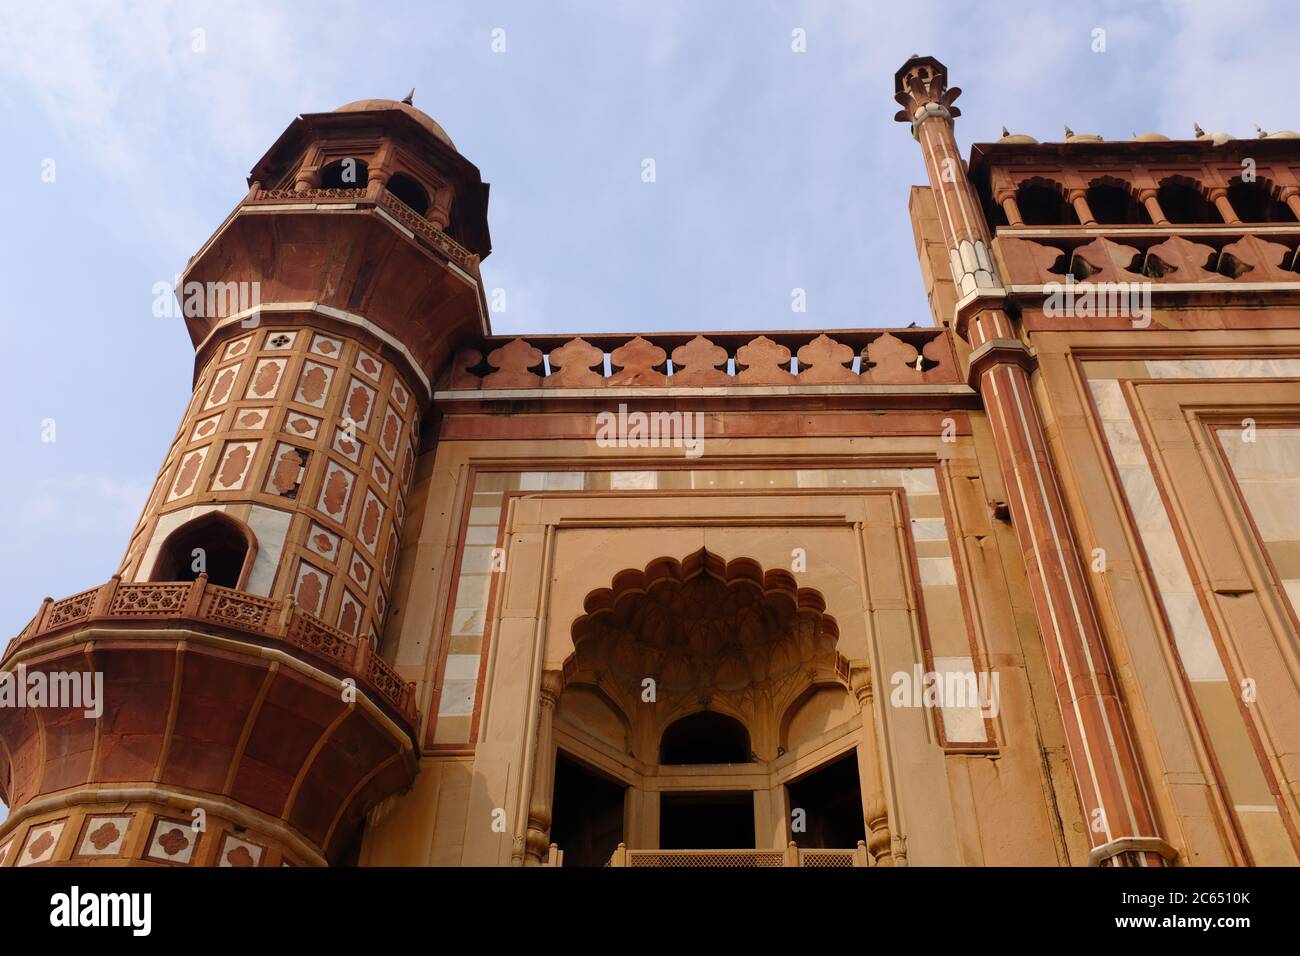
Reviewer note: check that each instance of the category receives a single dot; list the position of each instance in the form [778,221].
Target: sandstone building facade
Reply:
[1020,587]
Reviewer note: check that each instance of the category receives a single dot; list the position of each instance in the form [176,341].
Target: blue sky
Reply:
[775,170]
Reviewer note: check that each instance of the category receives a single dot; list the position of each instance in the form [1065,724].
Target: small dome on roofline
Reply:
[1008,137]
[1072,137]
[1217,138]
[1280,134]
[424,119]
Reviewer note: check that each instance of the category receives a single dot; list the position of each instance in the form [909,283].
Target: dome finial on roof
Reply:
[1218,139]
[1020,138]
[1072,137]
[409,99]
[1279,134]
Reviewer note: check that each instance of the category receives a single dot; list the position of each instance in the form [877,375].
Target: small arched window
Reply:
[1182,202]
[706,737]
[1114,204]
[213,542]
[409,191]
[1254,202]
[345,173]
[1042,204]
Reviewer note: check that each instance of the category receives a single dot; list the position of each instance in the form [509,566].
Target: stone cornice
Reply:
[997,352]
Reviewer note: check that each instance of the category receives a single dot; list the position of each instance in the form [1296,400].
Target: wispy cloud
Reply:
[147,92]
[776,169]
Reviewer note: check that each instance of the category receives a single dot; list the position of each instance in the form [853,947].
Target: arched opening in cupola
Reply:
[347,173]
[409,191]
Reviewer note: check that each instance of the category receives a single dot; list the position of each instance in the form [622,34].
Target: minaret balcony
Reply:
[283,730]
[360,256]
[224,611]
[388,205]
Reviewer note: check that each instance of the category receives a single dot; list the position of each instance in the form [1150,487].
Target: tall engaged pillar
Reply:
[874,806]
[1116,805]
[537,839]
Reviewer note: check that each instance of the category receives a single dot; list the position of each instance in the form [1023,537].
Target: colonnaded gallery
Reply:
[1017,586]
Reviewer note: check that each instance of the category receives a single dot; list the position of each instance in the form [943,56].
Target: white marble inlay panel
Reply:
[633,480]
[1191,633]
[963,715]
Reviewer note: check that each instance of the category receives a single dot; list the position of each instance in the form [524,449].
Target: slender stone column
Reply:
[1078,198]
[537,841]
[1116,805]
[1012,209]
[1150,199]
[1005,194]
[1291,196]
[1219,196]
[875,809]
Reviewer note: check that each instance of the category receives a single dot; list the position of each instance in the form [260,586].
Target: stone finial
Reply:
[921,88]
[1072,137]
[1217,138]
[409,98]
[1009,137]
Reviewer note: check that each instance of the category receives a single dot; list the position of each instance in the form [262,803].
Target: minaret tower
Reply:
[1107,773]
[247,716]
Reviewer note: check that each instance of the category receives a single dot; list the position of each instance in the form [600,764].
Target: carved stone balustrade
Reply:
[285,731]
[261,619]
[1159,257]
[431,235]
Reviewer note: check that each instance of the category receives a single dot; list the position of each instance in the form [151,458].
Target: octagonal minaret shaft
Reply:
[239,640]
[304,422]
[1108,777]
